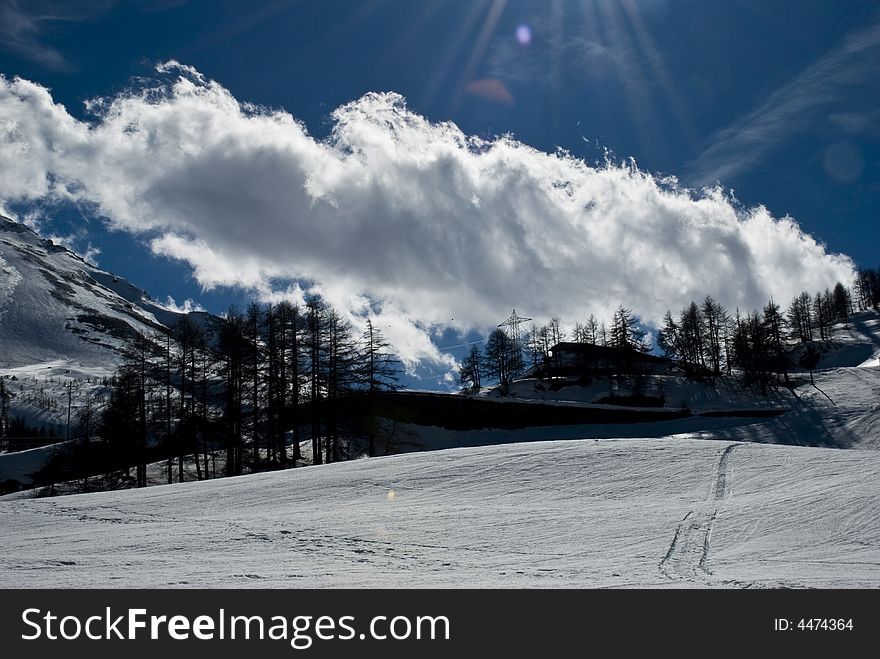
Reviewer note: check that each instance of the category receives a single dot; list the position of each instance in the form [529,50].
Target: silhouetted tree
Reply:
[379,368]
[165,375]
[841,302]
[669,338]
[750,349]
[342,363]
[800,318]
[868,288]
[316,312]
[377,372]
[554,328]
[626,333]
[119,425]
[778,357]
[4,408]
[296,371]
[534,347]
[253,366]
[499,358]
[189,341]
[716,321]
[231,352]
[138,354]
[471,369]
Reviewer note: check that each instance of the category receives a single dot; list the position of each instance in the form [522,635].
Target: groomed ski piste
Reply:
[792,501]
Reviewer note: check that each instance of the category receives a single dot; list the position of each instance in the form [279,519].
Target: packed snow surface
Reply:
[652,513]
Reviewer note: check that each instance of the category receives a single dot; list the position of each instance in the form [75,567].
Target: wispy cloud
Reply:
[26,24]
[21,32]
[795,106]
[859,123]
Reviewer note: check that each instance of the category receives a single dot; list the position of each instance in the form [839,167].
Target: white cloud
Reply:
[412,221]
[73,242]
[213,268]
[188,306]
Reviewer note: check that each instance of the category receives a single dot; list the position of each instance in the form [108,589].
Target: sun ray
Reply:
[557,52]
[410,34]
[355,19]
[479,49]
[655,61]
[628,71]
[452,52]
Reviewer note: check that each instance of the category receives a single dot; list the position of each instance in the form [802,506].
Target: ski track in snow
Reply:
[688,553]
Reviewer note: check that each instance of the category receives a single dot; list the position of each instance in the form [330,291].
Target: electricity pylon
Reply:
[512,326]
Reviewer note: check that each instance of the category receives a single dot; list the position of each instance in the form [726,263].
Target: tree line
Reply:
[245,390]
[703,339]
[504,357]
[707,341]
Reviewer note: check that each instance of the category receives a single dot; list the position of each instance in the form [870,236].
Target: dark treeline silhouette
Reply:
[703,339]
[506,357]
[4,408]
[867,289]
[244,391]
[706,341]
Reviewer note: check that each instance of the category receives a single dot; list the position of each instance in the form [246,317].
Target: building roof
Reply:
[607,352]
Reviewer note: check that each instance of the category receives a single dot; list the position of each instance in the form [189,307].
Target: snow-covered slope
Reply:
[706,501]
[652,513]
[57,309]
[61,320]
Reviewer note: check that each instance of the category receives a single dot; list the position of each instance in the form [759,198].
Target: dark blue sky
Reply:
[778,99]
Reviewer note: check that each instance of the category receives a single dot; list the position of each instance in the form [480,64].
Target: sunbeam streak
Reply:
[479,49]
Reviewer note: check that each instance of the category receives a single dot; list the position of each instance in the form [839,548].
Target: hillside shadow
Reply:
[871,334]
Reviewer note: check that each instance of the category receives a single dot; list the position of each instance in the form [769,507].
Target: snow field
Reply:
[632,513]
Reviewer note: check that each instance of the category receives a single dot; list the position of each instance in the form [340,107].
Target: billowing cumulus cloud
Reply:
[392,215]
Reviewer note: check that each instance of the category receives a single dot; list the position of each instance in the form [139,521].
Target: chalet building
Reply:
[588,359]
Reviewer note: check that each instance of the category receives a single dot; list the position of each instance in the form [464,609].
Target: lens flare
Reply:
[524,35]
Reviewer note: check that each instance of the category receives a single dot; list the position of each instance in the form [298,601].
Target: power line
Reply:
[512,324]
[462,345]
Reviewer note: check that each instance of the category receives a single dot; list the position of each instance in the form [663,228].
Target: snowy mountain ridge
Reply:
[57,310]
